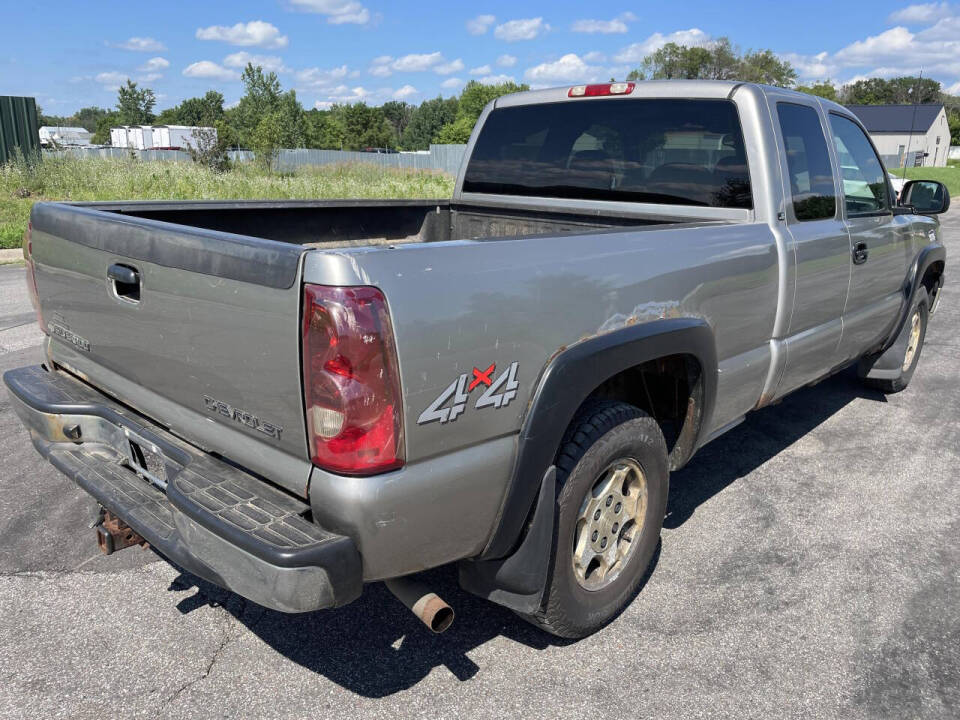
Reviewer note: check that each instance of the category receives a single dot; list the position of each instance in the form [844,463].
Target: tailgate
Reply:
[205,340]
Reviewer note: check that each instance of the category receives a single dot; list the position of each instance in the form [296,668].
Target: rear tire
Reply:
[907,348]
[612,484]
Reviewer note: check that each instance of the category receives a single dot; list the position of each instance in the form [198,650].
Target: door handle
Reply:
[860,253]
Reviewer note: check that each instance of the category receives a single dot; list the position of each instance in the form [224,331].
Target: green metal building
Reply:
[19,127]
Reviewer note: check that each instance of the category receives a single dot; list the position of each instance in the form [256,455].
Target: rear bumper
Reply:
[216,521]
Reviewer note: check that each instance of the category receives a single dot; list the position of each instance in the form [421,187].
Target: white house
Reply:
[907,135]
[60,135]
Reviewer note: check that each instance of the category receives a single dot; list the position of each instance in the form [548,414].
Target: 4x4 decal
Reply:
[498,393]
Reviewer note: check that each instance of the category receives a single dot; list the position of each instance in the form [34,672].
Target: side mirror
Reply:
[926,197]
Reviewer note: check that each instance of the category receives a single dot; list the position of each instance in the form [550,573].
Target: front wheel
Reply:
[612,479]
[893,370]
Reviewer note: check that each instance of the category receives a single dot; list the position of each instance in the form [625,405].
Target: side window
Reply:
[808,162]
[864,181]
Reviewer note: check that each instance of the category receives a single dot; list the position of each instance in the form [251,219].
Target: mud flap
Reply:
[519,580]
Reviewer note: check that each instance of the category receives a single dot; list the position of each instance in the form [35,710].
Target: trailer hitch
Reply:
[114,534]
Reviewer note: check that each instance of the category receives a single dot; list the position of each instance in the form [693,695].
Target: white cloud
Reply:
[507,60]
[149,77]
[818,66]
[416,62]
[617,25]
[569,68]
[449,68]
[497,79]
[270,63]
[451,83]
[954,89]
[890,43]
[111,80]
[254,33]
[385,65]
[482,70]
[480,24]
[405,92]
[154,64]
[321,78]
[920,14]
[142,44]
[636,52]
[209,69]
[338,12]
[595,57]
[343,94]
[526,29]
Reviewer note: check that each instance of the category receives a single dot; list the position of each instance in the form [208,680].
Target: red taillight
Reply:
[32,275]
[622,88]
[351,383]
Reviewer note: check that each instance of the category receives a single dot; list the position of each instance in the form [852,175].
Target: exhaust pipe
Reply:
[422,602]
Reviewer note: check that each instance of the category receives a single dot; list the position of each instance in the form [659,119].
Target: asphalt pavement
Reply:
[810,568]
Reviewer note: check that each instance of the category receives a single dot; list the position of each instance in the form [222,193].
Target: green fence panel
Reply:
[19,128]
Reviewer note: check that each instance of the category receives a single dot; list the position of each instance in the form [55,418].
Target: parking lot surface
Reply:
[810,568]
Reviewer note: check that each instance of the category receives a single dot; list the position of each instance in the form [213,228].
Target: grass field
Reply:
[68,178]
[949,176]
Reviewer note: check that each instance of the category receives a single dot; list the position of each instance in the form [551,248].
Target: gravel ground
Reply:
[810,568]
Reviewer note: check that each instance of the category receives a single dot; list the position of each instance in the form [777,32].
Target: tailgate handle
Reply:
[126,281]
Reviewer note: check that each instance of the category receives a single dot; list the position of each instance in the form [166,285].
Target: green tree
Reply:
[267,140]
[895,91]
[358,126]
[473,99]
[953,122]
[263,97]
[101,135]
[762,66]
[398,113]
[824,89]
[135,105]
[718,60]
[88,117]
[426,122]
[204,111]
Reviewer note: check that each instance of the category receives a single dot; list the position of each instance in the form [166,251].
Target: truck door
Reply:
[821,245]
[880,247]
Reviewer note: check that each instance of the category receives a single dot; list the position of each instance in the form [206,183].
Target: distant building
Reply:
[51,135]
[146,137]
[907,135]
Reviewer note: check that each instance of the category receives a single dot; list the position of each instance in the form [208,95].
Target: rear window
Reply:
[678,152]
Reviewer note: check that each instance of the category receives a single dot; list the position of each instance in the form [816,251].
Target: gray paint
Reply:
[774,293]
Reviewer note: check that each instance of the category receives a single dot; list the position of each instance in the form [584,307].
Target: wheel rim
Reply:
[609,524]
[913,342]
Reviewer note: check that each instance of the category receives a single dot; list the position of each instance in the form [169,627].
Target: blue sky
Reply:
[68,56]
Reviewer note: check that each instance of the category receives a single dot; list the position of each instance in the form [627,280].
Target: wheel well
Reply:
[932,276]
[670,390]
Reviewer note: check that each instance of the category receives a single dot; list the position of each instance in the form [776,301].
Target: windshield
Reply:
[678,152]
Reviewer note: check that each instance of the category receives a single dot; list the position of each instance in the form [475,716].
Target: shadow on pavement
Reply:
[764,434]
[375,647]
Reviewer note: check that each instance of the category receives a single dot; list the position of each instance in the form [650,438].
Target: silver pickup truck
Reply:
[292,399]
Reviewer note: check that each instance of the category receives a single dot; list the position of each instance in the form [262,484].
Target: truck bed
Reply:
[356,223]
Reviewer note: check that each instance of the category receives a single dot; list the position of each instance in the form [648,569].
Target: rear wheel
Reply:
[612,481]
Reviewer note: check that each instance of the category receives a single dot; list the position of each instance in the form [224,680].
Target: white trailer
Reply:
[176,136]
[140,137]
[119,138]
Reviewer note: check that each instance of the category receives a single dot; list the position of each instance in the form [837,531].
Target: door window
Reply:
[808,162]
[864,180]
